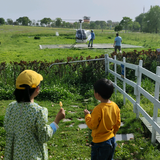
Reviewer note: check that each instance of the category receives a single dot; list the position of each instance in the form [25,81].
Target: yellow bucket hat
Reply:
[28,77]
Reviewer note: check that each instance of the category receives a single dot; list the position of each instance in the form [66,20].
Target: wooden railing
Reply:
[138,90]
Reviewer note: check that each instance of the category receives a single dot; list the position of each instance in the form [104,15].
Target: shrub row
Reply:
[77,78]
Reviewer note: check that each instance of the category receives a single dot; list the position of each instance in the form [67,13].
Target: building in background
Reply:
[86,19]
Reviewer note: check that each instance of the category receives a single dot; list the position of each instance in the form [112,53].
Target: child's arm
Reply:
[92,121]
[117,126]
[45,131]
[60,116]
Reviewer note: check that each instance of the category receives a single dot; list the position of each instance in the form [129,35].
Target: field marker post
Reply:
[155,111]
[106,64]
[137,93]
[115,70]
[124,84]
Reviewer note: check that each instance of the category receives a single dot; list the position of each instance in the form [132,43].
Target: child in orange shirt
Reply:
[104,121]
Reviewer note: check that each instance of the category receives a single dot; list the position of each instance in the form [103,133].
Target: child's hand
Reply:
[60,116]
[86,112]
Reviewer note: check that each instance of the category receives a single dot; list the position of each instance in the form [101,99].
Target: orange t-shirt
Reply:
[104,121]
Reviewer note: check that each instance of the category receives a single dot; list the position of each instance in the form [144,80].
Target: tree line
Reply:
[58,22]
[148,22]
[145,22]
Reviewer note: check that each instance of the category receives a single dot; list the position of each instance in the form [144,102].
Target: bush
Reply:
[1,121]
[36,37]
[56,93]
[80,75]
[149,58]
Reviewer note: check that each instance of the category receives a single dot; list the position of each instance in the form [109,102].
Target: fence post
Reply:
[115,70]
[124,84]
[106,64]
[155,111]
[139,78]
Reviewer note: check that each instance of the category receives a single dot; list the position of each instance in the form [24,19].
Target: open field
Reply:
[18,43]
[70,142]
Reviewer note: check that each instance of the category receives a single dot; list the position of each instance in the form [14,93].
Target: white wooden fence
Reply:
[138,90]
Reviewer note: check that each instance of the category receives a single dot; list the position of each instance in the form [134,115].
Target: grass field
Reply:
[18,43]
[70,142]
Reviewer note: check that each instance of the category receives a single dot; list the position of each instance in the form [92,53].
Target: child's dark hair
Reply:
[104,88]
[23,95]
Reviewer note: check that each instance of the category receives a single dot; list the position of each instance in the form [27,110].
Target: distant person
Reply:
[117,43]
[25,121]
[104,121]
[92,38]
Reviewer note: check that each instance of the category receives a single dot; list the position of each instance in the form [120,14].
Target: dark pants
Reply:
[90,41]
[104,150]
[117,47]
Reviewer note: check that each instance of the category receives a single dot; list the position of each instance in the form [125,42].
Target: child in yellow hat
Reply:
[25,121]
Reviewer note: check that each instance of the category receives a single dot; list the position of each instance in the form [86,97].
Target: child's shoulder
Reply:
[114,103]
[37,107]
[12,104]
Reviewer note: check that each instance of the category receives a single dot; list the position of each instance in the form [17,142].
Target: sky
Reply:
[69,10]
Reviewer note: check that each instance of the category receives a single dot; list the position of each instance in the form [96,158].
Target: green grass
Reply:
[74,143]
[18,43]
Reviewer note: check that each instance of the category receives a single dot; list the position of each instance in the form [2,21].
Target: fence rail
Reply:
[138,90]
[98,59]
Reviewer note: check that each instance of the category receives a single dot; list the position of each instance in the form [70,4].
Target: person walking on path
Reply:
[25,121]
[92,38]
[104,121]
[117,43]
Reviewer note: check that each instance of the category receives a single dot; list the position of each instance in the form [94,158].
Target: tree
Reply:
[86,25]
[139,19]
[33,22]
[58,22]
[37,24]
[24,21]
[63,24]
[125,22]
[69,25]
[118,28]
[151,20]
[75,25]
[115,24]
[102,24]
[9,21]
[53,23]
[136,26]
[92,25]
[15,23]
[2,21]
[109,24]
[45,21]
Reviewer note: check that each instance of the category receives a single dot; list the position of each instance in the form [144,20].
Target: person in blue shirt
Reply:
[117,43]
[92,38]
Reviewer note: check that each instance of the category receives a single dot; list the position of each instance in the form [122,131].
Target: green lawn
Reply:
[18,43]
[71,142]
